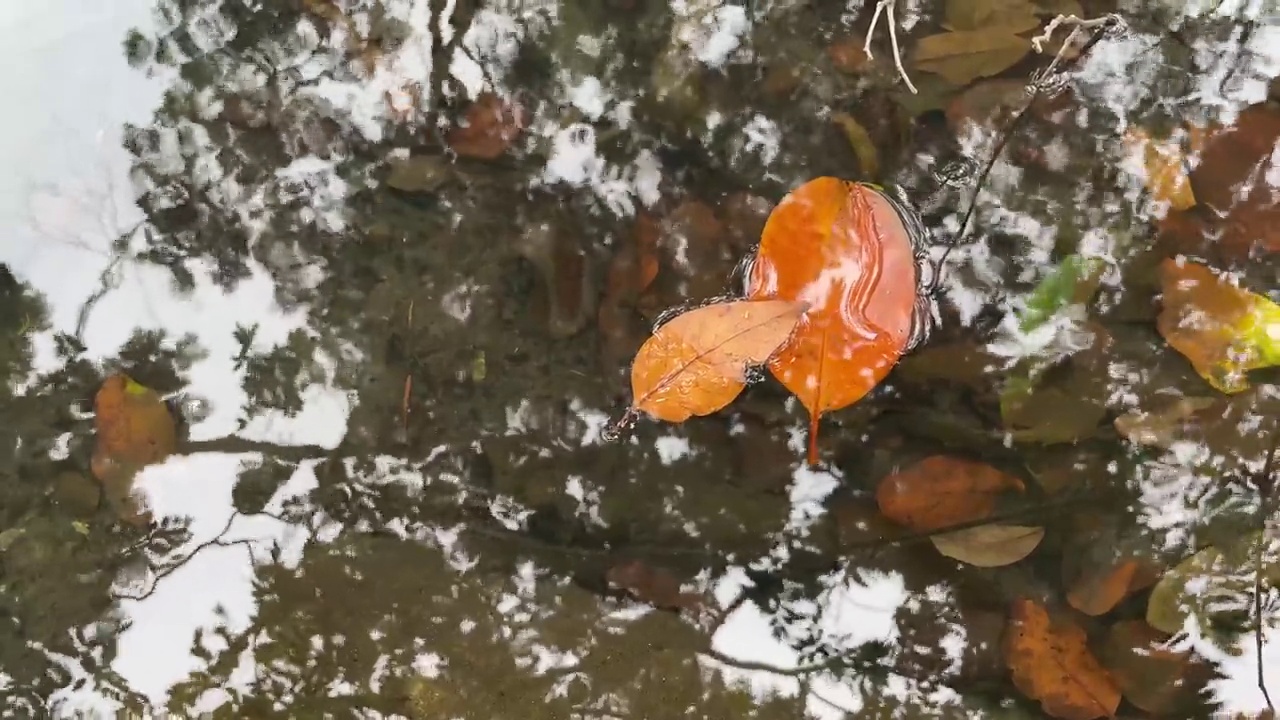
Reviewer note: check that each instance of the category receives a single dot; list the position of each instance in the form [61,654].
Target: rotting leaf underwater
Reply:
[843,249]
[1051,662]
[942,491]
[697,363]
[491,127]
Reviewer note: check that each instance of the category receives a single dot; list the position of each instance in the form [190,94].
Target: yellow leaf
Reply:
[1165,166]
[860,140]
[1223,330]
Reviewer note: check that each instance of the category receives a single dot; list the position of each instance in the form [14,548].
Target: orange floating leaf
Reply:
[133,429]
[697,363]
[1051,662]
[1224,330]
[940,491]
[491,127]
[1096,592]
[843,249]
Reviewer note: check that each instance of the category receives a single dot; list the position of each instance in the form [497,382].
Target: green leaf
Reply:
[1073,282]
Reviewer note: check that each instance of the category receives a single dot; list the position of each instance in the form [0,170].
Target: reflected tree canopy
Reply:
[459,199]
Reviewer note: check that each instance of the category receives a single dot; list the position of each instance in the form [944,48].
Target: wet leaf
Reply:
[964,56]
[133,429]
[1164,426]
[964,362]
[697,363]
[1014,16]
[1230,179]
[1074,282]
[941,491]
[843,249]
[1150,675]
[9,537]
[1215,585]
[848,55]
[1164,167]
[1053,8]
[655,586]
[420,173]
[987,104]
[1056,402]
[491,126]
[1097,591]
[989,545]
[1051,662]
[860,140]
[1223,330]
[567,278]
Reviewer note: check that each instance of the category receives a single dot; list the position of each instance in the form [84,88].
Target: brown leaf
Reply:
[1051,662]
[491,127]
[848,55]
[941,491]
[1097,591]
[962,57]
[1231,179]
[655,586]
[989,545]
[1163,426]
[1014,16]
[987,104]
[1151,676]
[697,363]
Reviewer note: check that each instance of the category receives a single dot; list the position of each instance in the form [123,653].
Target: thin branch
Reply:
[1078,25]
[1265,488]
[170,568]
[886,8]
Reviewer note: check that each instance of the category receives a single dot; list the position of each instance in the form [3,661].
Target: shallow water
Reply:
[391,346]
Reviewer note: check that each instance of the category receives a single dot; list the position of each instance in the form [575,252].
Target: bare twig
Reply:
[1078,26]
[886,7]
[1265,487]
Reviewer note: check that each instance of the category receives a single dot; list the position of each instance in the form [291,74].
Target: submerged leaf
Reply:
[1223,330]
[844,250]
[989,545]
[1074,282]
[491,127]
[1215,586]
[964,56]
[1012,15]
[697,363]
[1051,662]
[1164,167]
[1151,676]
[1097,591]
[942,491]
